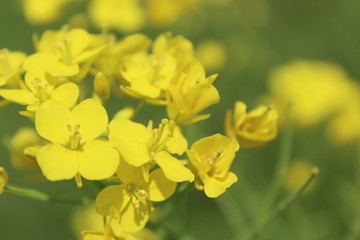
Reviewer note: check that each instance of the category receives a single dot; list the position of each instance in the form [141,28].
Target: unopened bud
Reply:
[101,86]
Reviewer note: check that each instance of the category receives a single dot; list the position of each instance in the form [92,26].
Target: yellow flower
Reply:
[344,127]
[74,152]
[191,92]
[140,146]
[133,198]
[113,230]
[10,67]
[60,53]
[24,137]
[212,55]
[313,90]
[148,76]
[178,47]
[43,11]
[211,158]
[3,179]
[124,15]
[163,13]
[36,91]
[253,129]
[110,60]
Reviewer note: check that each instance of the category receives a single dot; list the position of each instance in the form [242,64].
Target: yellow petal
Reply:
[82,57]
[133,219]
[173,169]
[129,174]
[92,118]
[131,139]
[214,187]
[66,93]
[80,39]
[59,69]
[98,160]
[160,188]
[57,162]
[177,143]
[51,121]
[112,196]
[18,96]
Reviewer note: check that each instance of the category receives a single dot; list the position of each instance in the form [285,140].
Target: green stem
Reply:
[283,161]
[42,196]
[283,205]
[232,213]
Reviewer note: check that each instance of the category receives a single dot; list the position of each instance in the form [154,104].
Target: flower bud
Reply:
[101,86]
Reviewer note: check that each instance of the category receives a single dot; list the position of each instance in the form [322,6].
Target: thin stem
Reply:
[42,196]
[232,213]
[282,163]
[283,205]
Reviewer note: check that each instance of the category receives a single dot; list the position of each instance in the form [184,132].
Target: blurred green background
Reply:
[258,35]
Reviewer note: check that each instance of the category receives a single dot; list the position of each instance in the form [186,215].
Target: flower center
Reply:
[64,48]
[74,141]
[40,90]
[138,195]
[211,161]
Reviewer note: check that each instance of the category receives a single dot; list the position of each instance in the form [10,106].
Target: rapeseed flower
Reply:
[74,150]
[133,199]
[60,53]
[189,93]
[211,158]
[312,90]
[145,148]
[113,230]
[36,91]
[124,15]
[10,67]
[252,129]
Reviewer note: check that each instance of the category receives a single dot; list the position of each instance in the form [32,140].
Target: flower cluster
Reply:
[143,164]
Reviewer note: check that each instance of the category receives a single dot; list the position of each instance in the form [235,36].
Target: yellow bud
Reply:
[101,86]
[3,179]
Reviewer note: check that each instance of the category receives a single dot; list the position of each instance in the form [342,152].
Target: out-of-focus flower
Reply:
[163,13]
[133,199]
[73,151]
[23,138]
[344,127]
[297,174]
[3,179]
[211,158]
[253,129]
[10,67]
[313,90]
[43,11]
[212,55]
[123,15]
[190,92]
